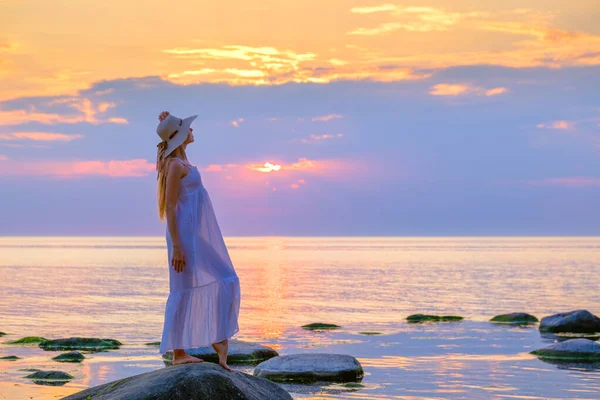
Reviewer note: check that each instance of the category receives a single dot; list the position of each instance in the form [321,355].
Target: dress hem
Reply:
[196,346]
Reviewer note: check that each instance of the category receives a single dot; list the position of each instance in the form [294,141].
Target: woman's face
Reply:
[190,136]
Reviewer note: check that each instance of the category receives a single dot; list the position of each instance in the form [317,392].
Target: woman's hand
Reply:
[178,260]
[163,115]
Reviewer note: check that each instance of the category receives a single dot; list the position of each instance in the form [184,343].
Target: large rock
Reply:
[80,343]
[515,318]
[238,353]
[579,350]
[311,367]
[185,382]
[578,321]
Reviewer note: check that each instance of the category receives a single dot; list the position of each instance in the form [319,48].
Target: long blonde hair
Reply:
[162,167]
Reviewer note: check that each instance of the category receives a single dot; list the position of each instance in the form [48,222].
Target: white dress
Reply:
[204,299]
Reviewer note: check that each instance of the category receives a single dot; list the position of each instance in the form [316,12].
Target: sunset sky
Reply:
[329,117]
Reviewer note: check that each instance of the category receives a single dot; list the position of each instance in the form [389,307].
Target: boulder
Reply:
[515,319]
[238,353]
[51,378]
[578,321]
[311,367]
[184,382]
[80,343]
[573,350]
[72,356]
[417,318]
[320,326]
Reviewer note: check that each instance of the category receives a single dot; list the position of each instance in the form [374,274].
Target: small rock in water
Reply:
[184,382]
[10,358]
[51,378]
[578,321]
[370,333]
[515,318]
[416,318]
[153,344]
[80,343]
[579,350]
[318,326]
[239,352]
[311,367]
[2,334]
[72,356]
[28,340]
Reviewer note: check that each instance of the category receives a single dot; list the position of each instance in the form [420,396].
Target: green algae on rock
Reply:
[51,378]
[318,326]
[28,340]
[72,356]
[417,318]
[10,358]
[80,343]
[515,318]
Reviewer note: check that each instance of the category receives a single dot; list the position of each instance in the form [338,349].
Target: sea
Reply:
[117,287]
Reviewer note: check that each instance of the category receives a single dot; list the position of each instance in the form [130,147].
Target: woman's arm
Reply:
[174,172]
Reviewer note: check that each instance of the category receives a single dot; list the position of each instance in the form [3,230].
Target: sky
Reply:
[338,118]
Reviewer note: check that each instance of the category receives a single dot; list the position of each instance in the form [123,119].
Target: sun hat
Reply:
[173,131]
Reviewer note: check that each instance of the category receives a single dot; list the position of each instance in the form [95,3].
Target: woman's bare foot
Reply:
[221,349]
[181,357]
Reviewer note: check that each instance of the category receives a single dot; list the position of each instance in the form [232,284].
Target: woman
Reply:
[204,299]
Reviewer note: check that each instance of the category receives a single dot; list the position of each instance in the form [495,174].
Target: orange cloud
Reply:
[325,118]
[87,113]
[445,89]
[72,169]
[448,89]
[40,136]
[562,125]
[237,122]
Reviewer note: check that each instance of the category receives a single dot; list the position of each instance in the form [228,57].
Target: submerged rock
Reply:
[184,382]
[79,343]
[10,358]
[238,353]
[2,334]
[515,318]
[370,333]
[28,340]
[52,378]
[153,344]
[416,318]
[311,367]
[578,321]
[72,356]
[319,326]
[573,350]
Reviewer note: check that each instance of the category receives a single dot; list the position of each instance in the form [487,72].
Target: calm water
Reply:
[117,288]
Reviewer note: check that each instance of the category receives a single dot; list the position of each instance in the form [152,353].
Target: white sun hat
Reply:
[174,130]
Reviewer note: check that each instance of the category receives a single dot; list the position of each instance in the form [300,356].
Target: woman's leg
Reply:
[221,348]
[181,357]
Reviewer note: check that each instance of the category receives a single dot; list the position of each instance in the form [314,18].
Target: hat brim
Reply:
[181,135]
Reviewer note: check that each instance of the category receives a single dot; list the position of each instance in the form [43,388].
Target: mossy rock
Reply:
[153,344]
[51,378]
[417,318]
[80,343]
[72,357]
[320,326]
[28,340]
[2,334]
[370,333]
[515,319]
[10,358]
